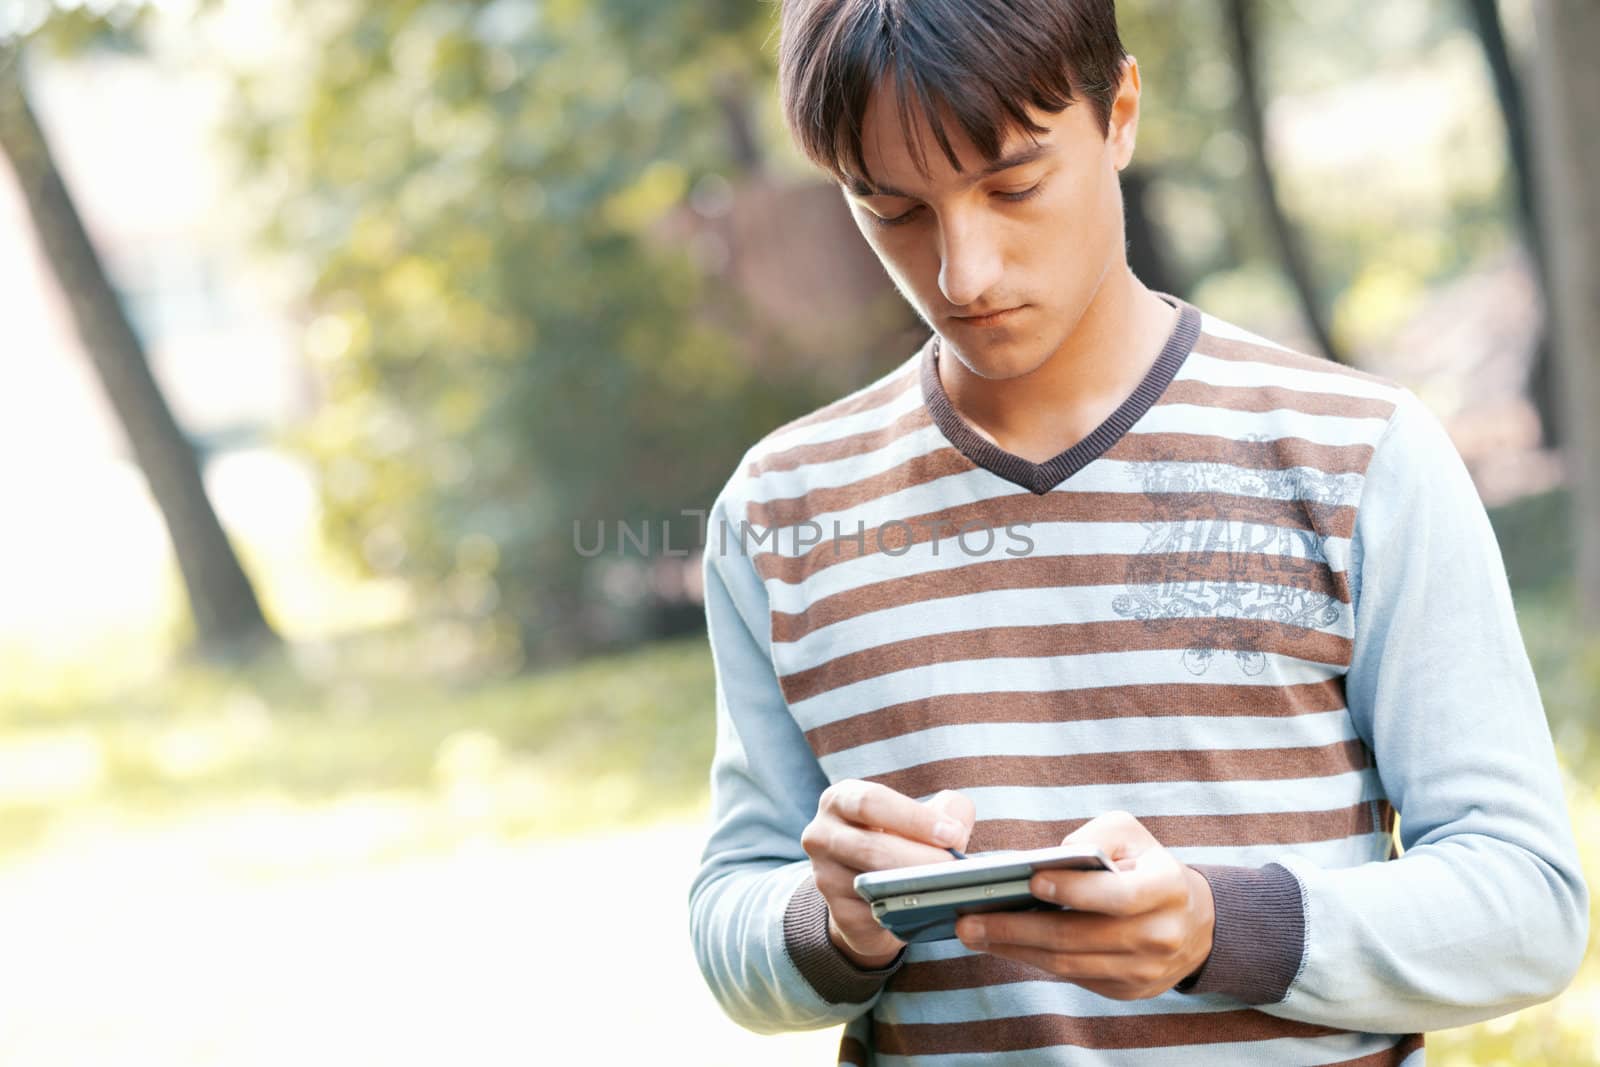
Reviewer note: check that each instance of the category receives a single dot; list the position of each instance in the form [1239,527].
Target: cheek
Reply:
[906,262]
[1084,221]
[906,281]
[1086,203]
[1108,194]
[1064,226]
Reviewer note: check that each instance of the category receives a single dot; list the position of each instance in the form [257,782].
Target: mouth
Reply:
[994,318]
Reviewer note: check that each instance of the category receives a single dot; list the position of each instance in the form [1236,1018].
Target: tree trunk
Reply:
[733,97]
[1508,92]
[228,621]
[1239,16]
[1566,85]
[1147,256]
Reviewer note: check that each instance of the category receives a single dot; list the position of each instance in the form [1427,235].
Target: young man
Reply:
[1094,565]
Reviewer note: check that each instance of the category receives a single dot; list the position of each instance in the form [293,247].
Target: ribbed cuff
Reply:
[1259,937]
[831,973]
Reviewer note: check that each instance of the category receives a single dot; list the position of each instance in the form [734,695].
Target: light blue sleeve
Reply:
[1486,911]
[765,786]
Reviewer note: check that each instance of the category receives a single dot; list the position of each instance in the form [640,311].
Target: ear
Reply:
[1124,127]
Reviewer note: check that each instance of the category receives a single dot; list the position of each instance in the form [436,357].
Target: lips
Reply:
[994,318]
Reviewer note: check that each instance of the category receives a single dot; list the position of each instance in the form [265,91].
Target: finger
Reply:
[1140,883]
[959,807]
[1154,880]
[1111,893]
[1117,833]
[1056,931]
[874,805]
[860,849]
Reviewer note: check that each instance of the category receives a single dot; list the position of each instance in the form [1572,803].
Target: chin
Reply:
[1000,362]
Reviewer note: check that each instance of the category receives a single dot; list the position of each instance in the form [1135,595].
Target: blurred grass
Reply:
[613,741]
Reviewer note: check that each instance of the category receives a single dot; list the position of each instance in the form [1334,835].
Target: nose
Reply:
[970,260]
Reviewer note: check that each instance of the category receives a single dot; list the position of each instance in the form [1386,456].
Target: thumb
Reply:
[1121,836]
[959,807]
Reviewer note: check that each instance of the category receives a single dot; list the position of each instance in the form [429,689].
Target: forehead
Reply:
[901,149]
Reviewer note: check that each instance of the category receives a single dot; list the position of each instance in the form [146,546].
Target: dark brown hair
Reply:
[981,61]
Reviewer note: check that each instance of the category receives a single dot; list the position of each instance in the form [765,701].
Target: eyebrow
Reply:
[1016,158]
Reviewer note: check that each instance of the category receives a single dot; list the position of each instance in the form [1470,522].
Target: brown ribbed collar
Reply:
[1043,477]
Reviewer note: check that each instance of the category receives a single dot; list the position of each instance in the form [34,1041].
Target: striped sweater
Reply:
[1260,608]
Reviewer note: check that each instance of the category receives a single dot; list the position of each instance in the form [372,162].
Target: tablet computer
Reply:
[923,903]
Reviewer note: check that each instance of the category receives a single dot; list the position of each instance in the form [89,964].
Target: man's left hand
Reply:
[1131,934]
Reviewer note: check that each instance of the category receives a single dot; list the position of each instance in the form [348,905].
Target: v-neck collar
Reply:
[1043,477]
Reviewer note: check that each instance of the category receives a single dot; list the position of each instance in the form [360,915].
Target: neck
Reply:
[1109,351]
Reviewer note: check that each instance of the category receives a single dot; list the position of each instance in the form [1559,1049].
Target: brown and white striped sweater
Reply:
[1161,619]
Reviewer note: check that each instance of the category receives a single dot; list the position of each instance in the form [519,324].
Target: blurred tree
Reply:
[1241,26]
[1376,233]
[1147,253]
[1487,24]
[512,355]
[1194,192]
[1566,87]
[228,621]
[559,248]
[1185,105]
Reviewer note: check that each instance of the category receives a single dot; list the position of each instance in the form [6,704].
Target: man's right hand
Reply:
[864,826]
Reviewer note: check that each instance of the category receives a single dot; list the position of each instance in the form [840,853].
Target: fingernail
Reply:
[974,931]
[1045,890]
[947,832]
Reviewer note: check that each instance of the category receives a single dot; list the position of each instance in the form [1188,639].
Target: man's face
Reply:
[1001,260]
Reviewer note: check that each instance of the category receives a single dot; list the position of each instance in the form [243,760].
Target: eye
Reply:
[1026,194]
[895,220]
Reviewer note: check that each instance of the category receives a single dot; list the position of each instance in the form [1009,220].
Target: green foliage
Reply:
[65,30]
[505,350]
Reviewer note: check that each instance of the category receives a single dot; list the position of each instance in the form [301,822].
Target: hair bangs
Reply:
[978,63]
